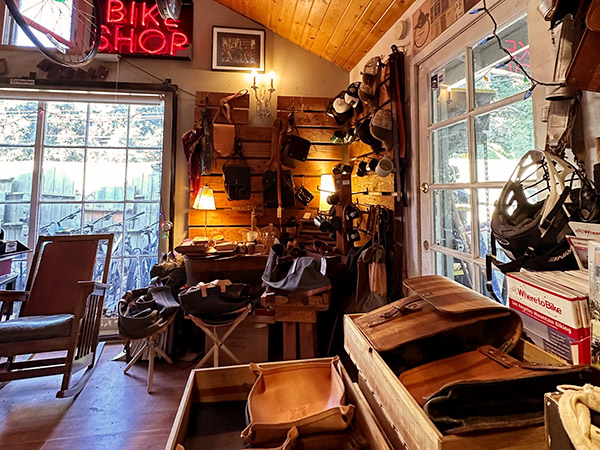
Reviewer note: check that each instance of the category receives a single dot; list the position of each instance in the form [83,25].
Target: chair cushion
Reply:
[30,328]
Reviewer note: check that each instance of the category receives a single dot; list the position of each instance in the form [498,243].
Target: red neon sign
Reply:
[136,28]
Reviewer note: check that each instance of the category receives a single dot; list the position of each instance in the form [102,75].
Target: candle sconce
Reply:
[263,96]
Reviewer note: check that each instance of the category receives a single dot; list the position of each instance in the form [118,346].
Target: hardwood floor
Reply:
[112,412]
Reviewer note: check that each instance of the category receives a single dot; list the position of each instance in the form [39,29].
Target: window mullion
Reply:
[36,177]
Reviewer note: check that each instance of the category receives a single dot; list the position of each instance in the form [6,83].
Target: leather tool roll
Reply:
[442,319]
[307,395]
[485,389]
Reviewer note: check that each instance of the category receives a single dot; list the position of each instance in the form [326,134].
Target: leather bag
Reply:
[584,71]
[441,319]
[214,299]
[307,395]
[223,134]
[485,389]
[236,175]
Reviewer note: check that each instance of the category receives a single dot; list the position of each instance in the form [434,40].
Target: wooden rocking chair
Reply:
[61,312]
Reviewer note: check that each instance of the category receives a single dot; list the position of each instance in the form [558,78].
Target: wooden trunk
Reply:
[404,421]
[233,383]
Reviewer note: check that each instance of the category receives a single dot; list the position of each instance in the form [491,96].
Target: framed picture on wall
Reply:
[238,49]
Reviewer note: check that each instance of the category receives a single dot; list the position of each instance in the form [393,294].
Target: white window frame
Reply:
[474,28]
[41,96]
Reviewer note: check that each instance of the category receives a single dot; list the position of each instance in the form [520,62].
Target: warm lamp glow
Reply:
[205,199]
[327,187]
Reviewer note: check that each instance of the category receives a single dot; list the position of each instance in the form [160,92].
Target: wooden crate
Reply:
[404,421]
[233,383]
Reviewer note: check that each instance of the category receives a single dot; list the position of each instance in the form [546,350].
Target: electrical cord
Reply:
[534,82]
[150,74]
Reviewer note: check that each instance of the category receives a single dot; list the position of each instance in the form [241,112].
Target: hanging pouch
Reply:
[295,148]
[223,134]
[237,176]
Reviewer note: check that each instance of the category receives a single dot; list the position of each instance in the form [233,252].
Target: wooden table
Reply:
[298,313]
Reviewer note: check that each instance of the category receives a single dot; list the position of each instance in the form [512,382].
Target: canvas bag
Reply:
[307,395]
[223,134]
[237,175]
[214,299]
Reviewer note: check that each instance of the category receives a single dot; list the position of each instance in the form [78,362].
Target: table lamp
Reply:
[205,200]
[327,188]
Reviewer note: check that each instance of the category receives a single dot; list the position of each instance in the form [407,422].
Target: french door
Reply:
[88,165]
[475,123]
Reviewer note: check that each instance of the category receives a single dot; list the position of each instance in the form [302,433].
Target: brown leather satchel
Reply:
[306,395]
[584,71]
[442,319]
[223,134]
[485,389]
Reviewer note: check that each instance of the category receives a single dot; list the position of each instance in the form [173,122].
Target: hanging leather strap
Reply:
[225,107]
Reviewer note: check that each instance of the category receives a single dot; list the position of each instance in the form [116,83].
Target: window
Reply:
[478,126]
[78,167]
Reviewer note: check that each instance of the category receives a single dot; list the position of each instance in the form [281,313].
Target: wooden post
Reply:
[343,186]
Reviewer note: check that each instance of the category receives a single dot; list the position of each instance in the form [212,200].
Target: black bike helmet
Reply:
[532,215]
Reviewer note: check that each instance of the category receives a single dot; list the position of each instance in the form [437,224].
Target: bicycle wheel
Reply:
[66,31]
[169,9]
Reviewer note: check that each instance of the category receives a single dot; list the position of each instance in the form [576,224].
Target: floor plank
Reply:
[112,412]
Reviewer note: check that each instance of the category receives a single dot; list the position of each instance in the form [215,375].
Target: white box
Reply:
[561,309]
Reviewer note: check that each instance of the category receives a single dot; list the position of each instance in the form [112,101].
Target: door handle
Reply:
[425,188]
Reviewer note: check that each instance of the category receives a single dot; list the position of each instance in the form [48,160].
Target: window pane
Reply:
[16,173]
[59,218]
[144,170]
[494,80]
[65,124]
[454,268]
[102,218]
[62,174]
[18,121]
[448,90]
[142,229]
[452,219]
[105,174]
[108,125]
[450,154]
[146,129]
[136,273]
[14,220]
[503,137]
[498,285]
[486,199]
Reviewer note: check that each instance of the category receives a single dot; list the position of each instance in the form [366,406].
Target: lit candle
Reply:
[272,75]
[254,80]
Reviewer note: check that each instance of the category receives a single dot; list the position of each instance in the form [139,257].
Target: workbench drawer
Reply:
[225,390]
[406,424]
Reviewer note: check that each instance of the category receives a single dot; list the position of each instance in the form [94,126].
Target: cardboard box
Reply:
[573,351]
[559,308]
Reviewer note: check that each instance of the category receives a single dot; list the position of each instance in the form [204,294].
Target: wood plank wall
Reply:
[231,217]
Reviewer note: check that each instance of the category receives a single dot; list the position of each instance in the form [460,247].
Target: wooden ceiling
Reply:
[340,31]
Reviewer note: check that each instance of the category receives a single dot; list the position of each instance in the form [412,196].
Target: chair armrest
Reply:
[13,296]
[93,287]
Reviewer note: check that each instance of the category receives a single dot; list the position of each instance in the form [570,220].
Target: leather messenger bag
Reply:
[307,395]
[486,389]
[443,318]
